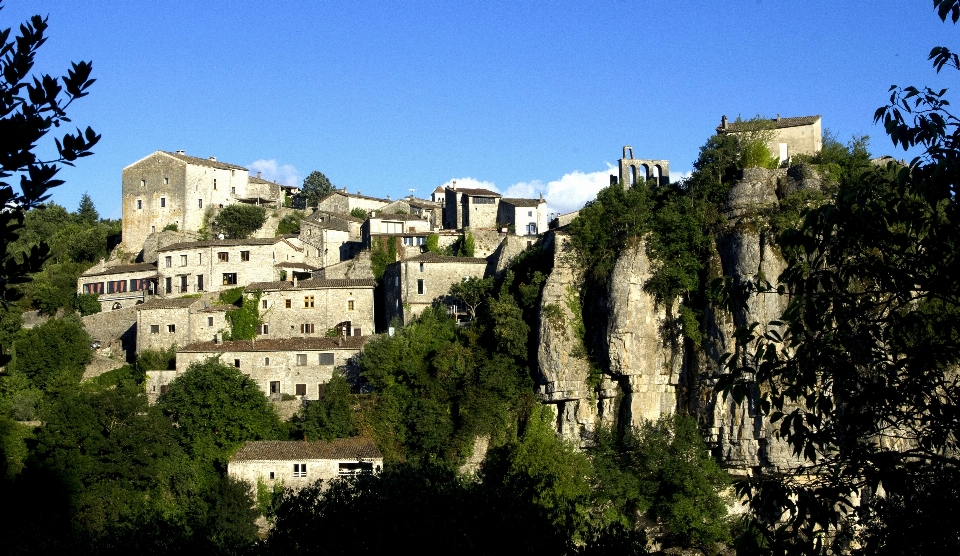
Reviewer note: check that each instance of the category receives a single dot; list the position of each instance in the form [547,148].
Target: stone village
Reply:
[319,301]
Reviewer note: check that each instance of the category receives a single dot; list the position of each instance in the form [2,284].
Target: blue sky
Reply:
[526,97]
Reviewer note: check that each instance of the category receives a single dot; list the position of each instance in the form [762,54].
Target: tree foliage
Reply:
[238,221]
[53,354]
[331,416]
[289,224]
[315,187]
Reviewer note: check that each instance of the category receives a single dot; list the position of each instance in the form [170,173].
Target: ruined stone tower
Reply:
[633,169]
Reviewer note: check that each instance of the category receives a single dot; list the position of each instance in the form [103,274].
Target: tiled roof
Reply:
[404,217]
[306,343]
[224,243]
[301,266]
[522,202]
[422,203]
[168,303]
[312,284]
[342,215]
[254,179]
[339,449]
[354,195]
[434,258]
[477,192]
[779,123]
[439,189]
[122,269]
[204,162]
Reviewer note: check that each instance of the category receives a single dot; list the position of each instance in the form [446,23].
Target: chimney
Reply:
[292,273]
[778,117]
[388,197]
[454,185]
[358,192]
[723,121]
[213,158]
[258,175]
[181,152]
[102,263]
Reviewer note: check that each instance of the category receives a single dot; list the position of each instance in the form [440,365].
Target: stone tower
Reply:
[633,169]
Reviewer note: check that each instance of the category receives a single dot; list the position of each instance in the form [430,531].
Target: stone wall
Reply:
[320,303]
[412,285]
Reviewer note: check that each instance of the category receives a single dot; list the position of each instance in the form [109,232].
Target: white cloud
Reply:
[677,176]
[274,171]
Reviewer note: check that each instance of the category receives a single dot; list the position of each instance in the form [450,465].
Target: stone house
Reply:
[163,322]
[439,196]
[411,230]
[295,366]
[474,208]
[791,136]
[211,266]
[413,284]
[527,216]
[308,308]
[428,210]
[342,202]
[330,237]
[119,286]
[296,464]
[166,188]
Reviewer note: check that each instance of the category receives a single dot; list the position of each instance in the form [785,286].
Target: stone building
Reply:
[163,322]
[330,237]
[413,284]
[528,217]
[633,170]
[296,464]
[342,202]
[166,188]
[307,308]
[119,286]
[428,210]
[791,136]
[411,230]
[211,266]
[474,208]
[294,366]
[439,196]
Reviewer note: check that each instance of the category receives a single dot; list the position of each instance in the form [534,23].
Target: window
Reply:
[531,229]
[357,332]
[183,284]
[166,181]
[139,204]
[264,303]
[529,213]
[214,183]
[271,475]
[287,303]
[274,386]
[183,260]
[169,284]
[354,467]
[422,266]
[306,328]
[118,286]
[153,229]
[350,305]
[420,286]
[154,328]
[308,302]
[200,203]
[326,359]
[263,329]
[199,282]
[233,190]
[163,202]
[244,256]
[171,328]
[229,278]
[223,257]
[164,388]
[266,361]
[96,287]
[300,389]
[209,321]
[236,363]
[301,359]
[483,200]
[396,281]
[199,258]
[299,470]
[391,227]
[143,183]
[168,262]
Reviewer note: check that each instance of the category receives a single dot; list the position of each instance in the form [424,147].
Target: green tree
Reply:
[315,187]
[859,374]
[31,107]
[87,303]
[471,293]
[468,245]
[358,212]
[216,408]
[289,224]
[87,212]
[53,354]
[238,221]
[331,416]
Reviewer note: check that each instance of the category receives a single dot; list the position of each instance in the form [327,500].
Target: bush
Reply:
[289,224]
[358,212]
[171,227]
[331,416]
[157,359]
[87,304]
[238,221]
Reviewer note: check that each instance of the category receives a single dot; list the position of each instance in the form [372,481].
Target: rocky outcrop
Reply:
[644,347]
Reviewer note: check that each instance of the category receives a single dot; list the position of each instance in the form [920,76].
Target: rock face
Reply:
[644,348]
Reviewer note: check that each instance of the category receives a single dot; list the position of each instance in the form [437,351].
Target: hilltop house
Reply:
[475,208]
[119,286]
[413,284]
[330,237]
[528,217]
[211,266]
[313,307]
[412,230]
[342,202]
[167,188]
[296,464]
[791,136]
[162,323]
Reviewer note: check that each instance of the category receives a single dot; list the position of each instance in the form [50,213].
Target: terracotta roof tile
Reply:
[225,243]
[168,303]
[404,217]
[312,284]
[306,343]
[341,449]
[301,266]
[122,269]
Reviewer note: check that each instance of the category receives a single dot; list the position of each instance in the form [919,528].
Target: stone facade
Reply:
[162,323]
[295,366]
[633,170]
[474,208]
[119,286]
[305,308]
[296,464]
[211,266]
[413,284]
[342,202]
[330,237]
[791,136]
[173,188]
[527,216]
[413,230]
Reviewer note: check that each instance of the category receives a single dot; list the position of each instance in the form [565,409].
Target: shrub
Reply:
[238,221]
[87,303]
[358,212]
[289,224]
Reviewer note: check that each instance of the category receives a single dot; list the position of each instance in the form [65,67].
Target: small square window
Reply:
[164,389]
[143,183]
[529,213]
[350,305]
[300,389]
[214,183]
[299,470]
[308,302]
[420,286]
[166,181]
[154,328]
[422,266]
[274,386]
[236,363]
[209,321]
[287,303]
[301,359]
[139,204]
[171,328]
[306,328]
[163,202]
[271,475]
[233,190]
[326,359]
[223,257]
[229,278]
[245,256]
